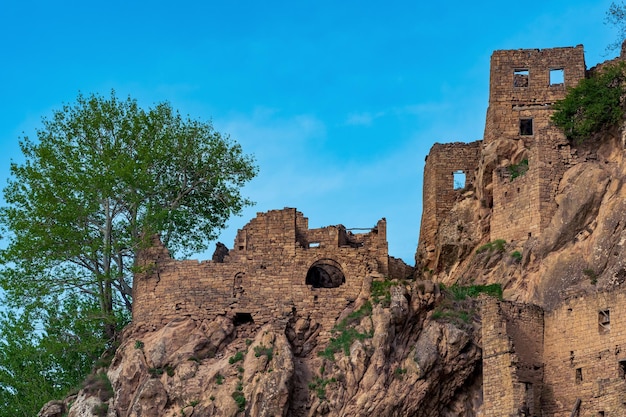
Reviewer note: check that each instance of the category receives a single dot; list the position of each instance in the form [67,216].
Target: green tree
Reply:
[45,351]
[102,178]
[593,105]
[616,16]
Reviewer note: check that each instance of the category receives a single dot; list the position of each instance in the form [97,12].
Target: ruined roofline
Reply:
[558,48]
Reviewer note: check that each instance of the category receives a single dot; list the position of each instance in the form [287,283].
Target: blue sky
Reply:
[338,101]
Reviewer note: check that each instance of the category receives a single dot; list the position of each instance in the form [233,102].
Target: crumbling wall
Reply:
[264,277]
[439,193]
[520,107]
[512,341]
[523,206]
[585,356]
[520,87]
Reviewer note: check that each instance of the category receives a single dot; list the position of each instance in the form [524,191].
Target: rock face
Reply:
[387,357]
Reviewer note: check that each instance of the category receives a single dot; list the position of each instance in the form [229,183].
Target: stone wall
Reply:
[439,193]
[512,340]
[524,84]
[585,356]
[548,361]
[524,206]
[277,268]
[520,87]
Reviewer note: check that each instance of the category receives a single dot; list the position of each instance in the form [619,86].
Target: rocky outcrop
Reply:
[581,250]
[387,357]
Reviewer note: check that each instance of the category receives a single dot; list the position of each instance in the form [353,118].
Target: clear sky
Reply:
[339,101]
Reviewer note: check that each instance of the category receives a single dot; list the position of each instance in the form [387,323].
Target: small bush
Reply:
[262,350]
[346,335]
[380,292]
[593,277]
[495,246]
[98,384]
[472,291]
[236,358]
[219,379]
[319,386]
[399,372]
[139,344]
[519,169]
[239,399]
[517,256]
[456,316]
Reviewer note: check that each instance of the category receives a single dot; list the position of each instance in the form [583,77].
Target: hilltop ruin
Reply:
[565,356]
[278,269]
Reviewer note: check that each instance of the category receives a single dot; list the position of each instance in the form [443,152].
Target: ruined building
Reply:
[569,360]
[523,85]
[278,268]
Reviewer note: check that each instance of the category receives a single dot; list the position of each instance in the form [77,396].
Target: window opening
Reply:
[604,321]
[557,76]
[622,369]
[600,414]
[242,318]
[520,78]
[579,375]
[238,285]
[526,127]
[314,244]
[325,273]
[459,180]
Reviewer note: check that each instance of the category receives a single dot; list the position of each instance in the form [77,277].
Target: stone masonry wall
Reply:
[523,206]
[585,356]
[264,276]
[522,90]
[520,87]
[512,358]
[439,193]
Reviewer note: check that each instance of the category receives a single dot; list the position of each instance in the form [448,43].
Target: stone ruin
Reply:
[570,361]
[278,269]
[524,84]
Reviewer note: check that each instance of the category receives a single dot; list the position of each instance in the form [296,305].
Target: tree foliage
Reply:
[103,176]
[46,351]
[616,16]
[595,104]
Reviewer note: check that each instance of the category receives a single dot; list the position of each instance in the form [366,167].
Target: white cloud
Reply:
[362,118]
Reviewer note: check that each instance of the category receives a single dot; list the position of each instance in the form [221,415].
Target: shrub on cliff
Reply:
[595,104]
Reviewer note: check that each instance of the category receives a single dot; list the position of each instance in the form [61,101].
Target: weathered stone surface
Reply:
[52,409]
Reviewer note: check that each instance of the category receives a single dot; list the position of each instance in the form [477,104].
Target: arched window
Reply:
[238,284]
[325,273]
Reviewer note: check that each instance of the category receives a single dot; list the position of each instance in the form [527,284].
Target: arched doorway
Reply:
[325,273]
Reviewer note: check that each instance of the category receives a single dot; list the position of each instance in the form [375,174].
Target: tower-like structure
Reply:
[524,84]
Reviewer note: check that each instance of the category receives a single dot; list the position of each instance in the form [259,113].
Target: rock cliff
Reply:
[388,356]
[580,251]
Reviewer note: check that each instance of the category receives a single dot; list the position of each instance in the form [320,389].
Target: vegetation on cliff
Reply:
[594,105]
